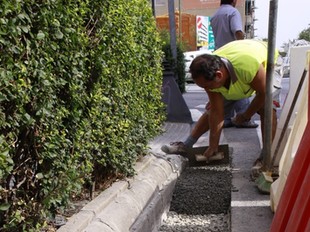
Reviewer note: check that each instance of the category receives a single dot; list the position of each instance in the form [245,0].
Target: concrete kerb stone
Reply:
[98,227]
[121,213]
[77,222]
[118,207]
[152,216]
[82,219]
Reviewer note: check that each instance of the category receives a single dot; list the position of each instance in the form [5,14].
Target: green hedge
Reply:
[80,98]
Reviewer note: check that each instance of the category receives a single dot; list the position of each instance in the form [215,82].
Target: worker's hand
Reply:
[210,152]
[239,119]
[210,155]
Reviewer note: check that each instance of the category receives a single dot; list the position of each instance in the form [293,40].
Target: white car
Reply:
[188,57]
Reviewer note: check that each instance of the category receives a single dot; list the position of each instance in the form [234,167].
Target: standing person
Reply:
[235,71]
[226,25]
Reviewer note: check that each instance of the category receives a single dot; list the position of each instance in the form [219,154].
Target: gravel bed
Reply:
[200,201]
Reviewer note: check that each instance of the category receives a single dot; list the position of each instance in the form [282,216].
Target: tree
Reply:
[305,34]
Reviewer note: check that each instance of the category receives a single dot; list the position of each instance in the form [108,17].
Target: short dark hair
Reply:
[205,65]
[226,2]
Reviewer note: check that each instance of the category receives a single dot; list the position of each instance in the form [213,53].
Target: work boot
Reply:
[174,148]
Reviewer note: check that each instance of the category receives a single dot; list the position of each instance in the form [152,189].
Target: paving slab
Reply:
[250,210]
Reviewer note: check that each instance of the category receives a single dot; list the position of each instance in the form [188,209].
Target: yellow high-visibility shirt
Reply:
[244,58]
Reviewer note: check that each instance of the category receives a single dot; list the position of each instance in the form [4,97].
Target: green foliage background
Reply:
[305,34]
[80,98]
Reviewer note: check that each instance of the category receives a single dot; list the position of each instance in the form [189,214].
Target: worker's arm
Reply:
[216,120]
[259,85]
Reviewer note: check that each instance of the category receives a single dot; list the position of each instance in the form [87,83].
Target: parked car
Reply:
[188,57]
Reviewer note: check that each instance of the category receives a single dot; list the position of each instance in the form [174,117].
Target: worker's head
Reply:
[206,71]
[229,2]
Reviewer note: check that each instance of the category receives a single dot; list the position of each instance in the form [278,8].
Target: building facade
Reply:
[208,8]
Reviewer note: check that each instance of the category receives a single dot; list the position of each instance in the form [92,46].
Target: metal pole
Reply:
[153,8]
[173,40]
[273,10]
[180,21]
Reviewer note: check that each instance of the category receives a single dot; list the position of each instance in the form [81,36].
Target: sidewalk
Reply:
[250,210]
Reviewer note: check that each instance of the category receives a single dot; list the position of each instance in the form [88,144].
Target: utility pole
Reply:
[173,41]
[180,20]
[272,28]
[153,8]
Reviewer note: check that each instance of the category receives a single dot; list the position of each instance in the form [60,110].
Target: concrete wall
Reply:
[195,7]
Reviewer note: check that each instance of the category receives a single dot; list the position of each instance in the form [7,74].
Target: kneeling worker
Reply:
[235,71]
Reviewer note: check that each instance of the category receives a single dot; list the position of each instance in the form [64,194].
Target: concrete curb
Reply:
[132,205]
